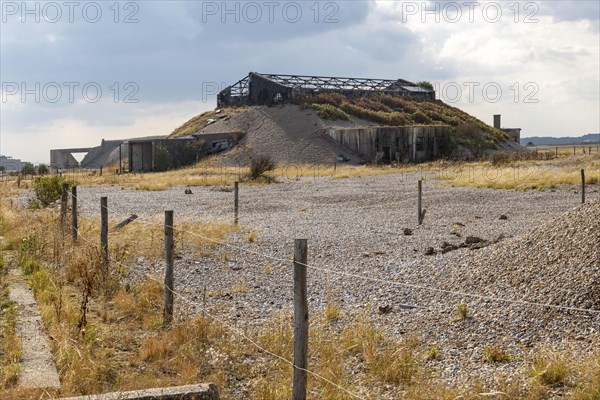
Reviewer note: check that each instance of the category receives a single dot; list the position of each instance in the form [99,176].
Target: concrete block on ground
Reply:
[201,391]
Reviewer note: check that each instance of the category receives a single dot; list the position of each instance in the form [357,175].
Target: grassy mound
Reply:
[399,111]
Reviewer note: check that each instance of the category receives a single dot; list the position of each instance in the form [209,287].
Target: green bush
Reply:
[48,189]
[425,85]
[28,169]
[421,118]
[328,111]
[377,116]
[42,169]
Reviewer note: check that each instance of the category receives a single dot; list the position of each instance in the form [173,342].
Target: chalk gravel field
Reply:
[544,250]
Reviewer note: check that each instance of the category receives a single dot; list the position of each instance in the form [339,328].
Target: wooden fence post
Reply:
[169,260]
[300,320]
[63,204]
[74,212]
[582,186]
[420,210]
[104,232]
[236,188]
[101,170]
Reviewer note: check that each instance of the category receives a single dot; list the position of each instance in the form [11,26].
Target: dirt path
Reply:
[37,367]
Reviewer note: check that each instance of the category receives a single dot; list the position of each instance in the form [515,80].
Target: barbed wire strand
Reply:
[379,280]
[235,329]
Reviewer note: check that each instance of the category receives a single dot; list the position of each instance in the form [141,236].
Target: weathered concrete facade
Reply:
[513,133]
[143,154]
[399,144]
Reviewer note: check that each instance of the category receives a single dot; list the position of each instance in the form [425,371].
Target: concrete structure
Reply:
[63,158]
[143,154]
[513,133]
[269,89]
[95,156]
[11,164]
[400,144]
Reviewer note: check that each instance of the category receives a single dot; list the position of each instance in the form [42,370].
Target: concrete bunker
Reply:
[395,144]
[160,153]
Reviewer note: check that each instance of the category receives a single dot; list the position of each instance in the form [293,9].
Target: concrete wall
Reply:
[141,156]
[263,90]
[182,151]
[99,156]
[63,158]
[513,133]
[400,144]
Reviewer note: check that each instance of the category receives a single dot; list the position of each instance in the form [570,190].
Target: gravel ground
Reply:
[355,227]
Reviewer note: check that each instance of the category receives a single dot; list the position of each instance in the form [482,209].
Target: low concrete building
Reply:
[156,153]
[399,144]
[11,164]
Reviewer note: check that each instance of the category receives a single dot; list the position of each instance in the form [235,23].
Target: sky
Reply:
[75,72]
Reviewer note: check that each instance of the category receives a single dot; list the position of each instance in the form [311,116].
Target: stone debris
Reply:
[473,240]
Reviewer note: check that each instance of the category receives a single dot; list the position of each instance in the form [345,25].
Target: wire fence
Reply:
[328,271]
[229,327]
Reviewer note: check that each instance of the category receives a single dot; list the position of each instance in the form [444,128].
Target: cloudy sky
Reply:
[75,72]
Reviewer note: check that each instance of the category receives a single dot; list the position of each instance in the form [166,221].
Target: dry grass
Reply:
[550,368]
[10,344]
[332,308]
[145,237]
[123,345]
[523,175]
[494,354]
[202,120]
[517,171]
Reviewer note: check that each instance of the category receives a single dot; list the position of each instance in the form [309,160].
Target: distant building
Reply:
[11,164]
[269,89]
[513,133]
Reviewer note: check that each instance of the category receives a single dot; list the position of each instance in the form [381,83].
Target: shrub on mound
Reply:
[328,111]
[259,167]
